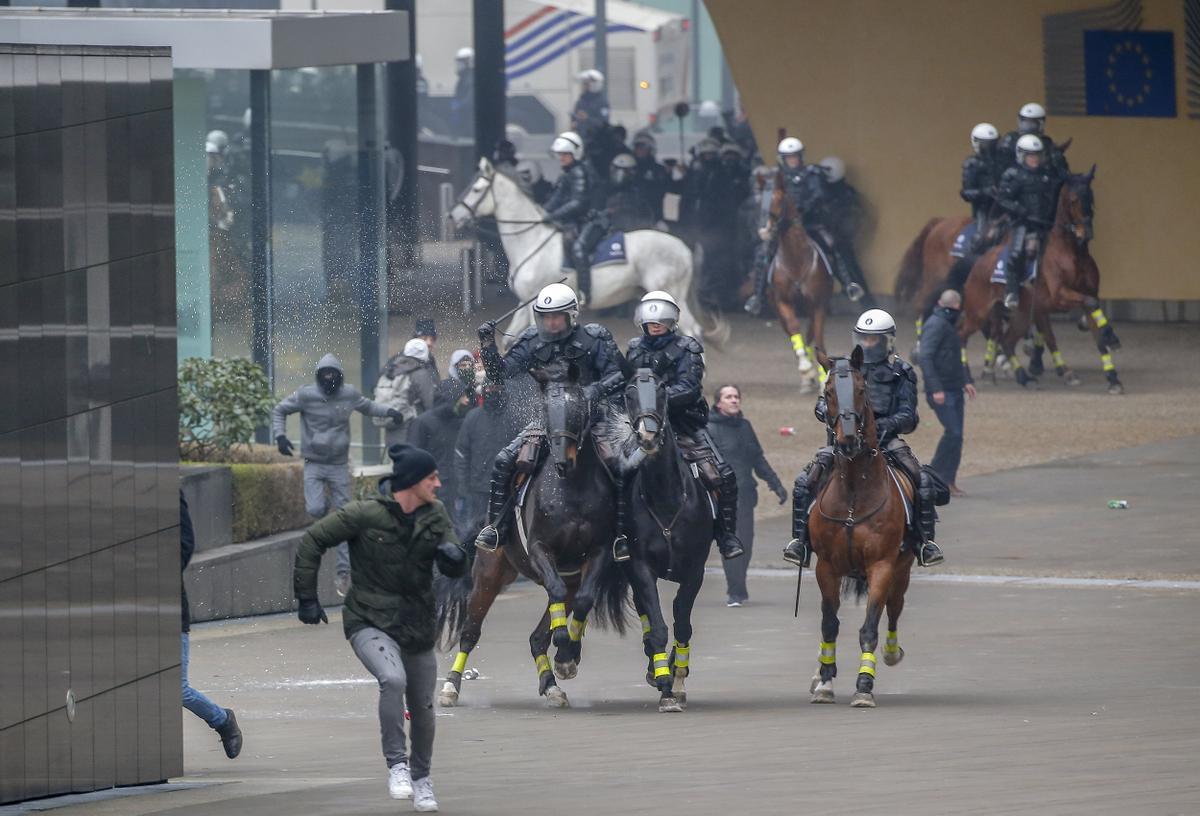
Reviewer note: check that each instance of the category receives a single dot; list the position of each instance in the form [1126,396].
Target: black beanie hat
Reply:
[425,327]
[409,465]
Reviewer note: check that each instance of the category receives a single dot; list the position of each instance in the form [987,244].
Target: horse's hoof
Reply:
[557,698]
[566,671]
[863,699]
[893,658]
[823,695]
[1116,388]
[448,696]
[671,705]
[1071,379]
[816,681]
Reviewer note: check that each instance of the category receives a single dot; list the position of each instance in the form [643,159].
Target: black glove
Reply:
[395,415]
[310,611]
[487,334]
[284,445]
[780,493]
[450,556]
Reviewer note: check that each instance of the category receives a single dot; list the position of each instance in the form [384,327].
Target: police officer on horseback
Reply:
[1031,119]
[1027,193]
[892,391]
[980,179]
[572,205]
[556,337]
[678,362]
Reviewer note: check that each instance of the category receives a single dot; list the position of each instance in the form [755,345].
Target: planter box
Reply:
[209,493]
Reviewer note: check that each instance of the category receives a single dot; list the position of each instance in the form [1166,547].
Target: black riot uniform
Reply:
[892,392]
[1054,159]
[1028,196]
[678,361]
[573,205]
[591,347]
[807,187]
[626,207]
[980,180]
[650,179]
[590,113]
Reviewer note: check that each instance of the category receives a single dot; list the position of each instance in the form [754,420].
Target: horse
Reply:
[1068,278]
[564,529]
[857,529]
[656,260]
[801,283]
[673,523]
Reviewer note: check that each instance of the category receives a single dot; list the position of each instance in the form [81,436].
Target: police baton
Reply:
[520,306]
[799,578]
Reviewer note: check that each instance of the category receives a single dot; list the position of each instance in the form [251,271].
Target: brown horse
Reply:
[857,528]
[801,283]
[1068,279]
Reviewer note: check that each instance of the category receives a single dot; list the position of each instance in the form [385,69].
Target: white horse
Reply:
[657,260]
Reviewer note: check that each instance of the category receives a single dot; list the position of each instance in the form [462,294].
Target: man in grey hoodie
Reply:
[325,409]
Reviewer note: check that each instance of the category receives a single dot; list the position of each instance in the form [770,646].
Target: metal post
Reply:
[404,238]
[490,93]
[695,61]
[262,284]
[464,261]
[445,204]
[370,197]
[601,44]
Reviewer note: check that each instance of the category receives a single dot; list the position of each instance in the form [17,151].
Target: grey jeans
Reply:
[336,479]
[402,675]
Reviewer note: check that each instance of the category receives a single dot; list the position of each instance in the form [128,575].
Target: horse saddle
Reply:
[610,250]
[904,484]
[999,273]
[816,247]
[962,241]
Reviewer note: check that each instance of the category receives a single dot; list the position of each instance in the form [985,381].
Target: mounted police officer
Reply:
[1032,119]
[892,391]
[843,204]
[980,179]
[572,205]
[1027,193]
[556,336]
[591,108]
[678,361]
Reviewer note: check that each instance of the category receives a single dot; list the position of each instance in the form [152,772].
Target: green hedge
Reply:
[269,498]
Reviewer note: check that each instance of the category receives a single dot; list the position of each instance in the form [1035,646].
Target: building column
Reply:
[404,239]
[370,202]
[490,92]
[262,284]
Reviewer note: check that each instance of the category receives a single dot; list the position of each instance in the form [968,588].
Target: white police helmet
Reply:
[1031,118]
[1029,145]
[709,109]
[568,142]
[657,307]
[592,80]
[556,298]
[791,146]
[217,141]
[465,57]
[835,169]
[875,332]
[981,133]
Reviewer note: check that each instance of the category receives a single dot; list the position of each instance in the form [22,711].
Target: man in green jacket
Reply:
[389,616]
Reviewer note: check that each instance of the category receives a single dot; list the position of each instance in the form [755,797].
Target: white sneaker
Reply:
[400,784]
[423,800]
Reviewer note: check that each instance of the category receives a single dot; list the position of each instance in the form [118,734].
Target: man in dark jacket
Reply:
[325,408]
[484,433]
[735,438]
[947,383]
[389,615]
[437,430]
[221,720]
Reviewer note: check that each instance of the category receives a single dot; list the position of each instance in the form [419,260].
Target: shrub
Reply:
[221,402]
[267,499]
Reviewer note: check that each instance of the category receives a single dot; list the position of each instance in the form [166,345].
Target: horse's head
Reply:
[646,401]
[1077,206]
[847,413]
[478,200]
[566,411]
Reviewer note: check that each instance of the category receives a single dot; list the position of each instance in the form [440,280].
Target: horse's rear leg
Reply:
[829,582]
[892,653]
[494,573]
[675,697]
[1106,344]
[1041,321]
[879,585]
[800,347]
[539,645]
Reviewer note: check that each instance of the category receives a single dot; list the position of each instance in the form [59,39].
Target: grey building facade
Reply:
[89,513]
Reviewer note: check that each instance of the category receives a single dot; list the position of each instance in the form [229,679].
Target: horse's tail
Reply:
[717,330]
[450,602]
[856,585]
[912,266]
[613,601]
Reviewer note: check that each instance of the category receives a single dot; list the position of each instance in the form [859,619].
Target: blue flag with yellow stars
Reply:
[1129,73]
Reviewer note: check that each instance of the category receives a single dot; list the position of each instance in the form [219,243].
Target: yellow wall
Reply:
[894,87]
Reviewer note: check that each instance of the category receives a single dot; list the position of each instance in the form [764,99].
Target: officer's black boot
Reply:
[762,264]
[928,552]
[1012,284]
[799,550]
[620,547]
[231,735]
[726,526]
[857,279]
[490,536]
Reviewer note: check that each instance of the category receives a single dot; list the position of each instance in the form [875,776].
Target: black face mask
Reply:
[493,399]
[329,380]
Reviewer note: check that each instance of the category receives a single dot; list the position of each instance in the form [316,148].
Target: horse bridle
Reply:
[647,391]
[527,225]
[843,384]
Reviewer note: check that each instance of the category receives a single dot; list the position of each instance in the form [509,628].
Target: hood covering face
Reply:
[330,375]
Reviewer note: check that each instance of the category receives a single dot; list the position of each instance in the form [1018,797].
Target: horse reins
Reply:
[528,226]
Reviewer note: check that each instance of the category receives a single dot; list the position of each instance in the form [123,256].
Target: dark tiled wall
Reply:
[89,512]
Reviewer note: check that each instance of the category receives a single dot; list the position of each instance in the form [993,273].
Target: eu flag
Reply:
[1129,73]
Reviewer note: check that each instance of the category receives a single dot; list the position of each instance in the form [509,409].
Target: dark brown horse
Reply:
[857,528]
[801,283]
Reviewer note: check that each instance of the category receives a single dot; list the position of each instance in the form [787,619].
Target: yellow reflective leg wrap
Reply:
[989,354]
[1098,316]
[868,664]
[543,663]
[558,615]
[920,326]
[892,644]
[1038,339]
[661,667]
[682,653]
[460,662]
[963,356]
[645,624]
[828,654]
[575,629]
[797,343]
[1108,363]
[1058,359]
[821,372]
